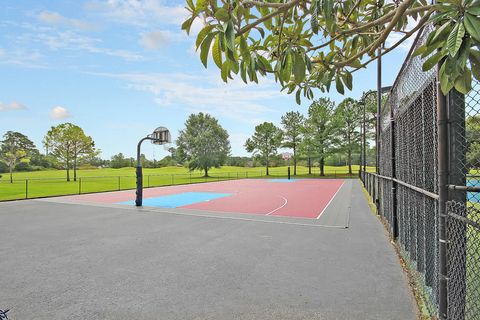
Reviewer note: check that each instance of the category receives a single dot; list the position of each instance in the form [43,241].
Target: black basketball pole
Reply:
[288,168]
[139,174]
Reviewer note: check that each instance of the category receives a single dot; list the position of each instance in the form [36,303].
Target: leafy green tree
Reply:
[306,146]
[472,128]
[119,161]
[292,123]
[203,143]
[69,145]
[349,117]
[14,148]
[265,142]
[312,44]
[323,127]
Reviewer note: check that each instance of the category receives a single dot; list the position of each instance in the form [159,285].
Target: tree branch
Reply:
[407,35]
[251,3]
[350,13]
[284,8]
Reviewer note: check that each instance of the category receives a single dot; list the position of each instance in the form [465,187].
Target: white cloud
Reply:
[196,93]
[155,40]
[12,106]
[140,12]
[56,40]
[55,18]
[59,113]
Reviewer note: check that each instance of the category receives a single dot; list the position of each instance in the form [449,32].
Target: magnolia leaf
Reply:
[308,63]
[420,50]
[217,52]
[233,66]
[463,83]
[297,97]
[476,71]
[474,9]
[224,71]
[244,48]
[222,15]
[445,84]
[230,36]
[243,72]
[348,79]
[455,38]
[187,25]
[314,16]
[433,60]
[202,34]
[339,85]
[298,68]
[205,48]
[201,5]
[264,63]
[472,24]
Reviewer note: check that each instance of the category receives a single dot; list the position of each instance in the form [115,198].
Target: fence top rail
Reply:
[465,220]
[464,188]
[415,188]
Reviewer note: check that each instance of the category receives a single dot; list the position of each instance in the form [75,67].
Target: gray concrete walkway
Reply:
[65,261]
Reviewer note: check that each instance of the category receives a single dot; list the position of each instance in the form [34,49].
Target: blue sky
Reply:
[119,69]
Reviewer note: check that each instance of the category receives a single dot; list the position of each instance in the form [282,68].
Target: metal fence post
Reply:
[26,188]
[394,176]
[80,185]
[442,199]
[118,183]
[148,181]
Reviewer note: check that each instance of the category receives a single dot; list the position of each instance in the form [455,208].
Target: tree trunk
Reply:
[206,172]
[68,169]
[11,173]
[322,167]
[309,165]
[266,166]
[349,159]
[294,162]
[75,169]
[349,153]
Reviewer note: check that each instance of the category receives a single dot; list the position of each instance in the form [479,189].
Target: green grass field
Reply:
[53,182]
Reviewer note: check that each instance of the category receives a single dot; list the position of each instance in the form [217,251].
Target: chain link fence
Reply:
[47,187]
[406,187]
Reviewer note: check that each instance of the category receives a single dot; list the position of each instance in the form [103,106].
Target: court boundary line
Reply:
[194,213]
[283,205]
[333,197]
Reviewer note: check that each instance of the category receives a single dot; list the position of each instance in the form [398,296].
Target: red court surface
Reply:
[303,198]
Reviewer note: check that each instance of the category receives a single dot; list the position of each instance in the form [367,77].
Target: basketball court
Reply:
[243,249]
[313,201]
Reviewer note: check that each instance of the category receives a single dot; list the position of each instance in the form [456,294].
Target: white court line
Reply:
[331,200]
[283,205]
[192,214]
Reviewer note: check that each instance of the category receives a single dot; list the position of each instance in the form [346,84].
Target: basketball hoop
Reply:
[286,156]
[160,136]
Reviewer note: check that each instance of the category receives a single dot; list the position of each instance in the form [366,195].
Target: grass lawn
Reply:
[53,182]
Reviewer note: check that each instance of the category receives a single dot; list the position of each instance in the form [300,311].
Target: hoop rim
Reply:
[286,156]
[160,132]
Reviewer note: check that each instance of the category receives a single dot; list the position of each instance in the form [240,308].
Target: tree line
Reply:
[326,134]
[66,147]
[326,131]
